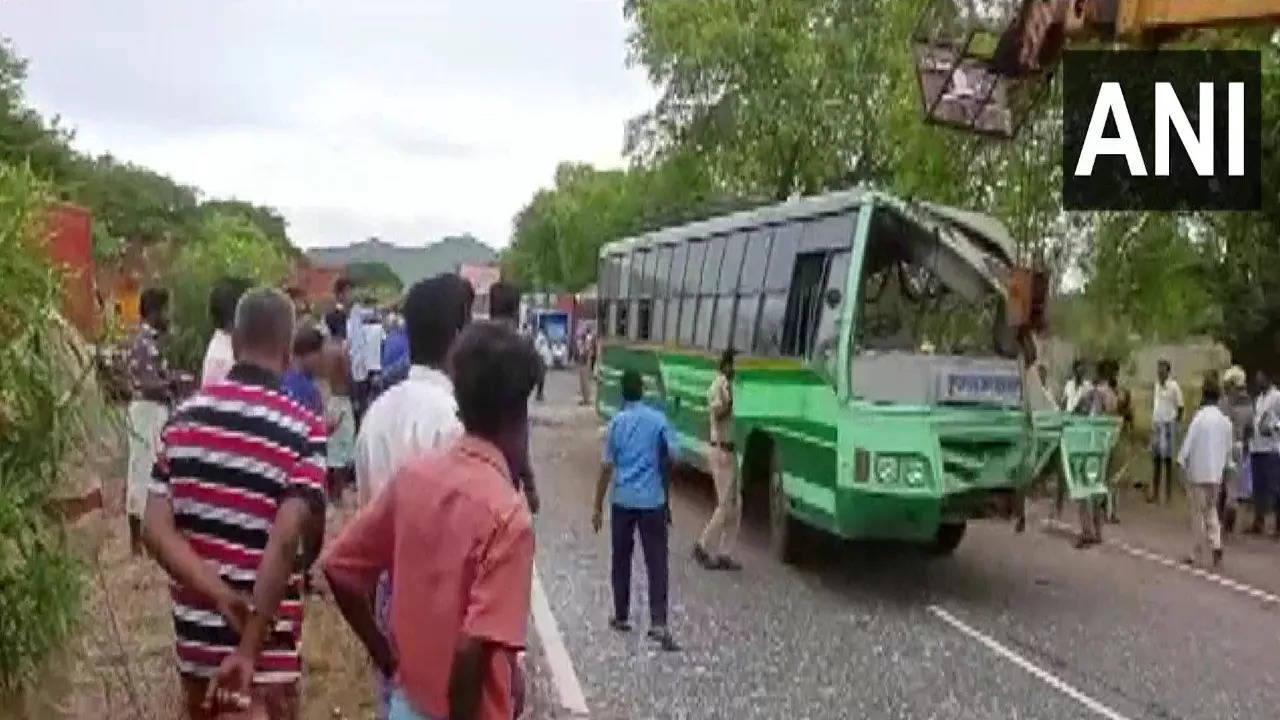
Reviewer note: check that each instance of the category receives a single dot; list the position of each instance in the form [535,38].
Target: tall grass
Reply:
[42,410]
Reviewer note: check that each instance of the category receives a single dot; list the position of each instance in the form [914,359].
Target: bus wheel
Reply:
[784,530]
[947,538]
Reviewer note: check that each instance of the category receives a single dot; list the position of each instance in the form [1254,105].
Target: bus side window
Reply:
[754,264]
[641,292]
[692,278]
[711,268]
[660,291]
[825,350]
[777,282]
[679,265]
[727,291]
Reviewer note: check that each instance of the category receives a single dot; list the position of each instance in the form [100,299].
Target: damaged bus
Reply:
[880,387]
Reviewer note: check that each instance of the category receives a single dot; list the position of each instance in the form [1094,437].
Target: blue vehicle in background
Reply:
[553,325]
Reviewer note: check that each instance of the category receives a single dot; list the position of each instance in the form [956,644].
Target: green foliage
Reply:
[268,219]
[39,404]
[376,278]
[220,246]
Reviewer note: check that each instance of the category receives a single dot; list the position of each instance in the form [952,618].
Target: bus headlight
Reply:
[915,471]
[886,469]
[1092,469]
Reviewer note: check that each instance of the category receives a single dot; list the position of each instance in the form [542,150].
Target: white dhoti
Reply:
[146,421]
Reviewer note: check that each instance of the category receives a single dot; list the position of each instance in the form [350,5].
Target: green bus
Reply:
[879,391]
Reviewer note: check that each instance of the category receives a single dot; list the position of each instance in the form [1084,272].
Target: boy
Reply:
[299,381]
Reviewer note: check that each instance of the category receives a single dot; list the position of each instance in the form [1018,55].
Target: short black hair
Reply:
[504,301]
[264,321]
[632,386]
[434,311]
[1211,390]
[493,370]
[153,300]
[307,340]
[222,301]
[336,321]
[726,357]
[341,285]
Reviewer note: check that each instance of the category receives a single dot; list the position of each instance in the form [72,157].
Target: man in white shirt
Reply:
[415,416]
[374,335]
[220,356]
[1076,389]
[1166,413]
[1264,448]
[1205,456]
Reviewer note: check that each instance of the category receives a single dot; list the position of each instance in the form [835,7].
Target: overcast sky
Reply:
[402,119]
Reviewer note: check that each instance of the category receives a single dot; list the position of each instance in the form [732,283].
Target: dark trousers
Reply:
[1266,494]
[652,525]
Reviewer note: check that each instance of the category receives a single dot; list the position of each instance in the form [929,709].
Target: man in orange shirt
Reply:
[454,532]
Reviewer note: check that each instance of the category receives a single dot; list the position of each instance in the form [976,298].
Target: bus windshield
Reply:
[923,292]
[930,325]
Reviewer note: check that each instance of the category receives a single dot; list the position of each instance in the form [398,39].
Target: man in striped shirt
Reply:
[239,473]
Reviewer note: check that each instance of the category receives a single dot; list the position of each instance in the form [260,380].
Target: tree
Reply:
[220,246]
[375,277]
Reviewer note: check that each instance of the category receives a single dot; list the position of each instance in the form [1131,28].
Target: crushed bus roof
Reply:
[968,221]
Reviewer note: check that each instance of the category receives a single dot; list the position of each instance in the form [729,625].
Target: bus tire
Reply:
[947,538]
[785,531]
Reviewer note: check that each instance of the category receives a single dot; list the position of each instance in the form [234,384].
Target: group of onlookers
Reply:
[1230,452]
[227,488]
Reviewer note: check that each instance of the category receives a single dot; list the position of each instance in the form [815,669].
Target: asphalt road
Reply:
[1010,627]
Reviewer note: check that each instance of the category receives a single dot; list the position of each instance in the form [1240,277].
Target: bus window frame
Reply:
[686,333]
[729,293]
[643,256]
[707,289]
[679,266]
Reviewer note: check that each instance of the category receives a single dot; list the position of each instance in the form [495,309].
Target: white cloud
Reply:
[404,120]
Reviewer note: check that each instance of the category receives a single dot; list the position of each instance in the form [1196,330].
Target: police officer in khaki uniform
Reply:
[714,550]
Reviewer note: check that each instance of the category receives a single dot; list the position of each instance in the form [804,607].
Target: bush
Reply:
[222,245]
[41,408]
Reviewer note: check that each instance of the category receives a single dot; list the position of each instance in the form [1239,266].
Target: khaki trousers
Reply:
[721,534]
[1206,532]
[584,382]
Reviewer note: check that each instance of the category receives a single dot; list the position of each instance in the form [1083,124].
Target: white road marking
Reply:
[1226,582]
[558,662]
[1039,673]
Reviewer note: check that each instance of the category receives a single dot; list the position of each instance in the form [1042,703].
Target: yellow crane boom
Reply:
[1138,19]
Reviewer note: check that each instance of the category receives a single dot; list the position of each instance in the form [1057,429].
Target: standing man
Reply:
[714,550]
[374,336]
[1076,389]
[240,474]
[219,356]
[1238,407]
[586,363]
[542,344]
[504,307]
[1265,449]
[339,413]
[1166,413]
[414,417]
[1205,457]
[452,530]
[639,449]
[152,393]
[356,357]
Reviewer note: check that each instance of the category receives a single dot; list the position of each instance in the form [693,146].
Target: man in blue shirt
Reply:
[639,447]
